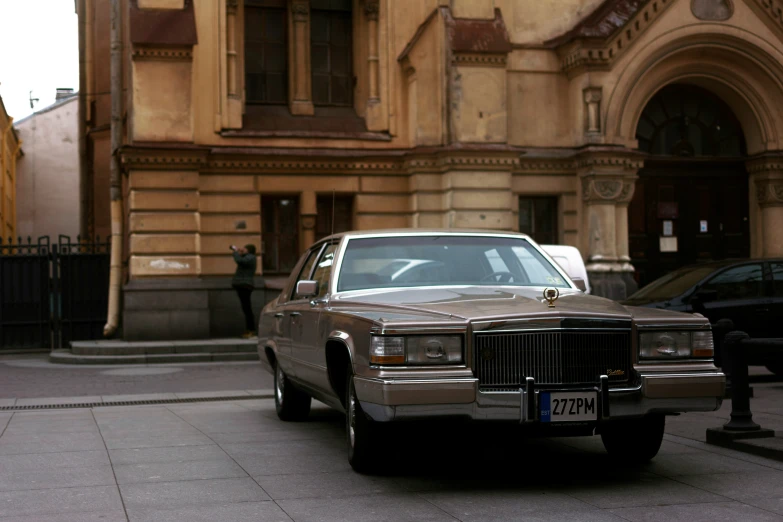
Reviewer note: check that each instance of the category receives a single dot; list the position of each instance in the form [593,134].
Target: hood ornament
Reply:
[551,295]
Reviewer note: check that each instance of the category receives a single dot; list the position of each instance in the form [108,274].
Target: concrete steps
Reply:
[152,352]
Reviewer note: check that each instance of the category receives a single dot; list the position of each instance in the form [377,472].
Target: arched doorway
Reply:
[691,199]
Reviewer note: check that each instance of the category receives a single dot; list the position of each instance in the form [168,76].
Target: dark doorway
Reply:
[691,199]
[538,218]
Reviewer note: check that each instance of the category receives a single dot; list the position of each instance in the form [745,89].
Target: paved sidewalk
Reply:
[235,461]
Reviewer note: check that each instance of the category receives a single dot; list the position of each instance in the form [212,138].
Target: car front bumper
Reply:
[387,400]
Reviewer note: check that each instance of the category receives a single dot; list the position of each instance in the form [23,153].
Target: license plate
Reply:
[568,406]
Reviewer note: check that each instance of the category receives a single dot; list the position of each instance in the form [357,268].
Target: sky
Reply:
[39,52]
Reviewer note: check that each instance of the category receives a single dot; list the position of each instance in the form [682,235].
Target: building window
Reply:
[331,27]
[538,219]
[266,57]
[341,209]
[280,234]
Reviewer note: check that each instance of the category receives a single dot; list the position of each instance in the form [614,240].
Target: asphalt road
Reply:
[29,376]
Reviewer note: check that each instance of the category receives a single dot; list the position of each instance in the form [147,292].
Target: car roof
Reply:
[425,232]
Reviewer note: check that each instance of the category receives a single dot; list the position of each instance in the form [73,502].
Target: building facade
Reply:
[10,151]
[648,133]
[47,185]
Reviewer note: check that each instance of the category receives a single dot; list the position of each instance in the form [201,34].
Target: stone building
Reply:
[47,186]
[648,133]
[10,152]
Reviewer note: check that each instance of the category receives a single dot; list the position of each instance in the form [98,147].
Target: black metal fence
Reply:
[51,294]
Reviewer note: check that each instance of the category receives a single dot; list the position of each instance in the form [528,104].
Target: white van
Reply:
[570,259]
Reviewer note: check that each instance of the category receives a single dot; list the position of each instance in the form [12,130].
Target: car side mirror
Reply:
[580,283]
[307,288]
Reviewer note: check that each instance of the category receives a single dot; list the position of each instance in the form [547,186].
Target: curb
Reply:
[81,402]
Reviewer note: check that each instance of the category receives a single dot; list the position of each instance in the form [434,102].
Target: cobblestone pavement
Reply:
[26,376]
[235,461]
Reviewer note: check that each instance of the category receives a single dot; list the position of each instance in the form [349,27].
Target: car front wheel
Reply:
[634,441]
[291,404]
[362,433]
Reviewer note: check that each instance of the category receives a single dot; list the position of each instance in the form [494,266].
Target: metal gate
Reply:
[52,294]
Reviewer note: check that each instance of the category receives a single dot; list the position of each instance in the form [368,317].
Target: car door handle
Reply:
[316,302]
[279,314]
[295,314]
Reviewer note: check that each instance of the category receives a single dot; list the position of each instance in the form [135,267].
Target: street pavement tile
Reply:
[716,512]
[643,490]
[773,504]
[172,495]
[275,435]
[260,465]
[179,454]
[33,426]
[48,461]
[5,403]
[740,486]
[139,397]
[4,418]
[55,478]
[47,437]
[368,508]
[160,441]
[699,464]
[286,447]
[594,445]
[208,395]
[491,504]
[239,512]
[84,442]
[326,485]
[176,471]
[65,500]
[94,516]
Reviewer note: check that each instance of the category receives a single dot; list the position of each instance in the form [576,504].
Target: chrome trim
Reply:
[674,326]
[413,330]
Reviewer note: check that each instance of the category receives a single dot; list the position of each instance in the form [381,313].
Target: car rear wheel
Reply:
[291,404]
[634,441]
[362,433]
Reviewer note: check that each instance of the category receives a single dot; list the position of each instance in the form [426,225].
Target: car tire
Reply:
[362,434]
[634,441]
[776,368]
[291,403]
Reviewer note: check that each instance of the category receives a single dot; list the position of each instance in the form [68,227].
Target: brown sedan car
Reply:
[427,324]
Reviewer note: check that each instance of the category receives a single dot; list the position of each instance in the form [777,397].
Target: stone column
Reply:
[308,212]
[372,10]
[607,189]
[769,194]
[300,83]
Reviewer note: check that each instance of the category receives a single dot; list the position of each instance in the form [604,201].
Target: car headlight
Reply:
[675,345]
[416,349]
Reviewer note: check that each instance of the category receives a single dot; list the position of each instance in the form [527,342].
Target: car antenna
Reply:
[333,198]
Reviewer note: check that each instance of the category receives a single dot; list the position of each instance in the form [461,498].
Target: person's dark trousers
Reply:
[244,293]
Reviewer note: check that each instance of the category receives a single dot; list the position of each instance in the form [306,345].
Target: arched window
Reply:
[688,121]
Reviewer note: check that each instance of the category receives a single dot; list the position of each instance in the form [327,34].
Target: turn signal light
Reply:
[387,350]
[703,345]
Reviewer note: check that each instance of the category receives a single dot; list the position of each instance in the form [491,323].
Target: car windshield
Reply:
[444,260]
[673,284]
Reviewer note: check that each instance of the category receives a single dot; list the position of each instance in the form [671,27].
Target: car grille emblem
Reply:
[614,373]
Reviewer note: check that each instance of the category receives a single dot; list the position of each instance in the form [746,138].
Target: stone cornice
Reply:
[493,60]
[154,53]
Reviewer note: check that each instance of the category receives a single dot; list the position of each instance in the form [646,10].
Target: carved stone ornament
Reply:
[626,195]
[769,193]
[602,190]
[592,99]
[300,11]
[372,9]
[308,222]
[712,10]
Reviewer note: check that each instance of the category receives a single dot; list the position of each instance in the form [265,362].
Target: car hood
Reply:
[475,303]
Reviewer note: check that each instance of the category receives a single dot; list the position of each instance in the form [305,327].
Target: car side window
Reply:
[324,269]
[777,279]
[741,282]
[304,273]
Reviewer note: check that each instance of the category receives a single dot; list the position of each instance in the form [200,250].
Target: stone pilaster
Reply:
[607,182]
[372,13]
[301,88]
[308,212]
[767,177]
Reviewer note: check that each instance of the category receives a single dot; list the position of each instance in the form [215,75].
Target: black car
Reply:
[749,292]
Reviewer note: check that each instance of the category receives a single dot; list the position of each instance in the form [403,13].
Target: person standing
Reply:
[242,282]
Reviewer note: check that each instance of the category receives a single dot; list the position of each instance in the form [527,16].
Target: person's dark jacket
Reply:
[246,270]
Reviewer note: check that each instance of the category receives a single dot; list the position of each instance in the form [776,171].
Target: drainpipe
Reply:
[115,277]
[82,12]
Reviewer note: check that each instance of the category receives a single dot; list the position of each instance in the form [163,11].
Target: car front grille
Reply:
[502,361]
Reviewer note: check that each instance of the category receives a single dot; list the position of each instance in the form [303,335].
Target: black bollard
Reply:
[719,331]
[741,416]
